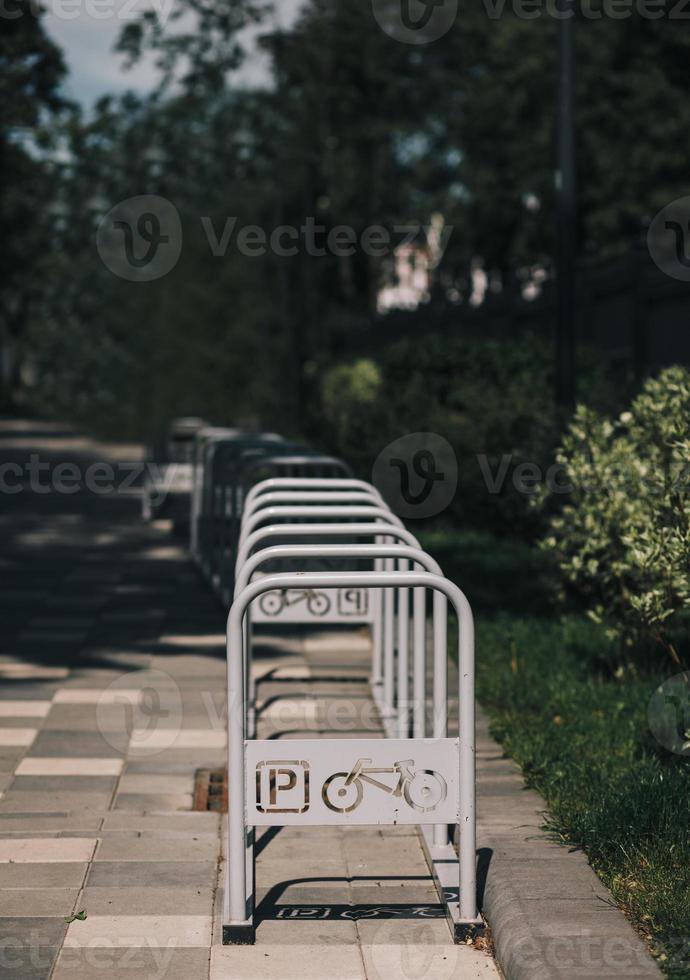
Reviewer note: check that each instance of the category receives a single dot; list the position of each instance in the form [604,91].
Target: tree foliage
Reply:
[352,128]
[31,72]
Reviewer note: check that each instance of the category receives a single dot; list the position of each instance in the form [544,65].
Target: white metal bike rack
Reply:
[310,464]
[277,483]
[350,606]
[211,443]
[379,532]
[373,529]
[221,502]
[322,513]
[395,712]
[201,441]
[333,781]
[327,498]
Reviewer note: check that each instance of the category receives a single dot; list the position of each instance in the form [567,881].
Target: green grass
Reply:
[579,731]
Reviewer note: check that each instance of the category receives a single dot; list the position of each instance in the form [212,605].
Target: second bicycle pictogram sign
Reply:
[315,605]
[351,781]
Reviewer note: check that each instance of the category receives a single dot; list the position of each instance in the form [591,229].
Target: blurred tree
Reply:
[353,129]
[632,118]
[31,71]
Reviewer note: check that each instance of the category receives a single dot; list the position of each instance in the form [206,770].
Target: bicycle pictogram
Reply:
[273,603]
[422,789]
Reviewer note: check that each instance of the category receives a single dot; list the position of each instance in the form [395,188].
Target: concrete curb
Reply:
[551,917]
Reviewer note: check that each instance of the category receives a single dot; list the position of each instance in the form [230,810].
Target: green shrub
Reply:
[491,399]
[354,411]
[622,537]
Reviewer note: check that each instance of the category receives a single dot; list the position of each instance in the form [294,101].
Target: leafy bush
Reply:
[622,538]
[491,399]
[354,409]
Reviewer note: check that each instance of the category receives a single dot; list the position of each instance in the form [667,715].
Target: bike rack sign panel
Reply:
[309,782]
[349,605]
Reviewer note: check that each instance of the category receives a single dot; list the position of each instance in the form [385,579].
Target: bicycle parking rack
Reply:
[201,441]
[258,502]
[308,483]
[381,533]
[310,464]
[321,512]
[220,500]
[305,498]
[395,712]
[332,781]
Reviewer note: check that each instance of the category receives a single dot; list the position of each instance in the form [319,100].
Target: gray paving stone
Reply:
[28,963]
[66,744]
[38,901]
[148,901]
[16,801]
[147,802]
[30,823]
[406,892]
[152,874]
[27,722]
[10,757]
[36,875]
[54,784]
[192,823]
[25,691]
[83,718]
[139,963]
[199,850]
[291,959]
[32,931]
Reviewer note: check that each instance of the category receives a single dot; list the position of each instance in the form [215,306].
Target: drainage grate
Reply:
[211,790]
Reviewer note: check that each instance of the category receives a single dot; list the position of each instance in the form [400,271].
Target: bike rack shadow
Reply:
[270,907]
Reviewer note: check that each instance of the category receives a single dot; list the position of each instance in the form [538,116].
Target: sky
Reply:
[87,30]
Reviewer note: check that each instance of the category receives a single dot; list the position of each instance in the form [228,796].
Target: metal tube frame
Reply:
[308,461]
[238,912]
[359,530]
[278,498]
[327,513]
[308,483]
[402,553]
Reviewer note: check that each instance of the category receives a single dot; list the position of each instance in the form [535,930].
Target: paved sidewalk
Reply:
[347,903]
[112,694]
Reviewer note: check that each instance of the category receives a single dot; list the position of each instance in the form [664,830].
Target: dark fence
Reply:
[627,308]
